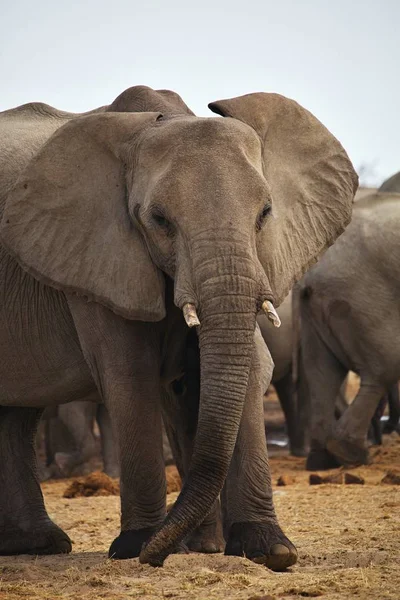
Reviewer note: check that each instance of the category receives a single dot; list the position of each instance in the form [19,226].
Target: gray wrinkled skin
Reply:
[111,222]
[350,313]
[293,395]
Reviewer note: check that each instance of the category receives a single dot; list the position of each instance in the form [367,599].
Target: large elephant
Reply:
[114,224]
[350,320]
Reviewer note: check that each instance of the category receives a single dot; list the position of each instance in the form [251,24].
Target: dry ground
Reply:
[348,538]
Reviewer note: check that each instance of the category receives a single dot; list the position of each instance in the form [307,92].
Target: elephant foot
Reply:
[348,453]
[129,543]
[321,460]
[263,543]
[47,540]
[391,426]
[207,538]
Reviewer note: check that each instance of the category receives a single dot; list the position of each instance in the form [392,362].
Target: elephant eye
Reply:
[160,220]
[262,216]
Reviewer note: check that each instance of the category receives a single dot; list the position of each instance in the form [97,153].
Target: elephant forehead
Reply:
[211,138]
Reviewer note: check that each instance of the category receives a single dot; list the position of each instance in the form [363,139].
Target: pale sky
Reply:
[338,58]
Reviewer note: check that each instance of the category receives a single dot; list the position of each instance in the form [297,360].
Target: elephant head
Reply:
[234,209]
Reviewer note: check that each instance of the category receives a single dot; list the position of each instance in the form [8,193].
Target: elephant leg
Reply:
[250,523]
[180,425]
[78,419]
[25,527]
[348,441]
[180,410]
[323,375]
[124,359]
[285,391]
[108,443]
[136,417]
[375,428]
[393,424]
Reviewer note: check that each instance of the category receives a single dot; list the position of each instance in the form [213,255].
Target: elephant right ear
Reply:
[311,179]
[66,221]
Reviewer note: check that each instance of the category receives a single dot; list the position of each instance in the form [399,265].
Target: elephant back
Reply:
[23,131]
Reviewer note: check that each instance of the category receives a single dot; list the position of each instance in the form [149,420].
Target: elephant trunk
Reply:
[228,305]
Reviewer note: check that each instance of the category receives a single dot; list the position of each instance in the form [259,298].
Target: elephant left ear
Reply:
[311,179]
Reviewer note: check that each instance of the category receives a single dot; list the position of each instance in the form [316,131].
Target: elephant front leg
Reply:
[124,358]
[137,421]
[250,523]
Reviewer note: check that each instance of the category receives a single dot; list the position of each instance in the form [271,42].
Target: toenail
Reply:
[277,549]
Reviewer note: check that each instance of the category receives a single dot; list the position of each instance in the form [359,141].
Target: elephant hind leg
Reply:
[25,527]
[348,442]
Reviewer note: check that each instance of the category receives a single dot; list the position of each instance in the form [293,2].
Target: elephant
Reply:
[283,344]
[69,439]
[350,320]
[121,230]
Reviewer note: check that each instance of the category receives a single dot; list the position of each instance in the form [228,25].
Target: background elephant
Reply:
[294,399]
[68,441]
[116,222]
[350,320]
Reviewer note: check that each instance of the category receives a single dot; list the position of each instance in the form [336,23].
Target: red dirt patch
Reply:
[95,484]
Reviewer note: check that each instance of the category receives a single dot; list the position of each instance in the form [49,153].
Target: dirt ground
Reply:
[347,536]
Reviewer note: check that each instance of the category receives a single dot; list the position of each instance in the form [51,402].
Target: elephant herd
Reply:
[138,246]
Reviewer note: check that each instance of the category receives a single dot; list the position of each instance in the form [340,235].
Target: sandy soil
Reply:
[348,538]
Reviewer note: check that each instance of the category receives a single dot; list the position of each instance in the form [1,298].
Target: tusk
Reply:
[271,313]
[190,314]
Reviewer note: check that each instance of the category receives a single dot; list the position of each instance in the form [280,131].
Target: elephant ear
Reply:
[67,223]
[311,179]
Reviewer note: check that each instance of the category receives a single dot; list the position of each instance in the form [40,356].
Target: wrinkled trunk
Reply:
[227,310]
